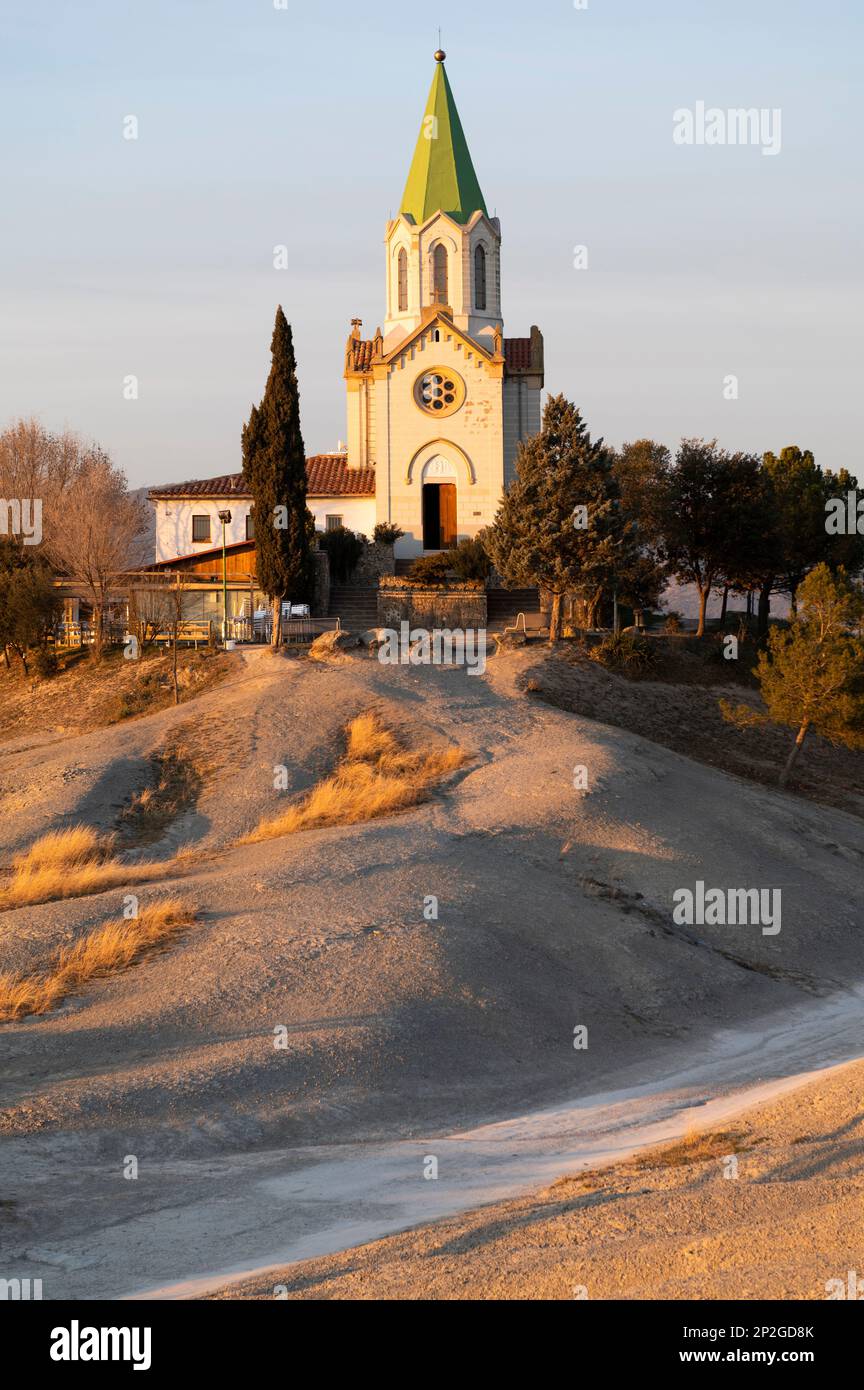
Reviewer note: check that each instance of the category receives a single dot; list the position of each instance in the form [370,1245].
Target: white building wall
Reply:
[357,513]
[174,525]
[174,521]
[522,418]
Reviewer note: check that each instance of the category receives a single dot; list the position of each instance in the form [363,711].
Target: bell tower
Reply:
[443,250]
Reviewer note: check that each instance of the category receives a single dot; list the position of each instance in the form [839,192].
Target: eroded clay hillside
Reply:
[553,911]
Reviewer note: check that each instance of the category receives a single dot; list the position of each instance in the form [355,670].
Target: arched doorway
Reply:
[439,505]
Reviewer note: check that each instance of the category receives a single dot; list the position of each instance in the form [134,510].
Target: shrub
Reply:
[46,663]
[386,533]
[465,563]
[626,652]
[673,623]
[431,569]
[469,560]
[343,548]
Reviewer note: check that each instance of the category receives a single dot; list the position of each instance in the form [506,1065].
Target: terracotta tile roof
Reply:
[230,485]
[517,354]
[362,354]
[328,475]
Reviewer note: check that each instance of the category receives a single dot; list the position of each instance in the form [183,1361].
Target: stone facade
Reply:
[321,585]
[376,562]
[429,607]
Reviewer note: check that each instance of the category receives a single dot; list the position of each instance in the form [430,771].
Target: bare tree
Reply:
[149,607]
[99,533]
[39,466]
[92,529]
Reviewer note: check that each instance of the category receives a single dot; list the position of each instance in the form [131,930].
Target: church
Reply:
[437,401]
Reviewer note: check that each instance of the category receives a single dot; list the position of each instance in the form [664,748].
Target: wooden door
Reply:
[447,497]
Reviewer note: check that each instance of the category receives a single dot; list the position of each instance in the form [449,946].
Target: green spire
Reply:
[442,177]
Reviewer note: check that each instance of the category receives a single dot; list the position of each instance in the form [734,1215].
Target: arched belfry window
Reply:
[402,273]
[440,279]
[480,278]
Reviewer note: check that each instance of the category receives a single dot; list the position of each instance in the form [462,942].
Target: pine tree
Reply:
[794,535]
[558,525]
[274,467]
[641,471]
[812,674]
[707,513]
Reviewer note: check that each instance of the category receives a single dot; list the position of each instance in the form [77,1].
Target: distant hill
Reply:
[149,539]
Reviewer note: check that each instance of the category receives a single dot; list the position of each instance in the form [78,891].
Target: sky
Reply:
[261,126]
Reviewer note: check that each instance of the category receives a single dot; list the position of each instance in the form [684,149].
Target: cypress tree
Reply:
[274,467]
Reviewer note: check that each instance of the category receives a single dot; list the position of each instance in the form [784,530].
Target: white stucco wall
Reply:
[174,525]
[357,513]
[174,521]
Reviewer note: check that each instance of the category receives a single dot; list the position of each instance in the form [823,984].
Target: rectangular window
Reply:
[200,529]
[250,527]
[333,523]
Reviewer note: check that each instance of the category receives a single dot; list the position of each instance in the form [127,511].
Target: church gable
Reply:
[442,380]
[437,331]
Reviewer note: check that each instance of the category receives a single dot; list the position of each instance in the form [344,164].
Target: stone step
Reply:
[357,608]
[513,600]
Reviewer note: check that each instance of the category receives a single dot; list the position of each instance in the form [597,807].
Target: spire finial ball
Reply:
[440,56]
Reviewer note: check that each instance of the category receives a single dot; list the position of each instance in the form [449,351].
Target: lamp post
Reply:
[225,518]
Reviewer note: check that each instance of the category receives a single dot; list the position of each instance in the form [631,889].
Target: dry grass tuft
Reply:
[62,848]
[71,864]
[107,950]
[696,1147]
[368,740]
[375,778]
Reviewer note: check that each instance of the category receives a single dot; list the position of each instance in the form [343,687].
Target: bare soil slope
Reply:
[554,911]
[682,712]
[680,1223]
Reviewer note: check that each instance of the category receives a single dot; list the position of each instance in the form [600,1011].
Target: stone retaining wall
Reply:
[321,585]
[425,606]
[376,562]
